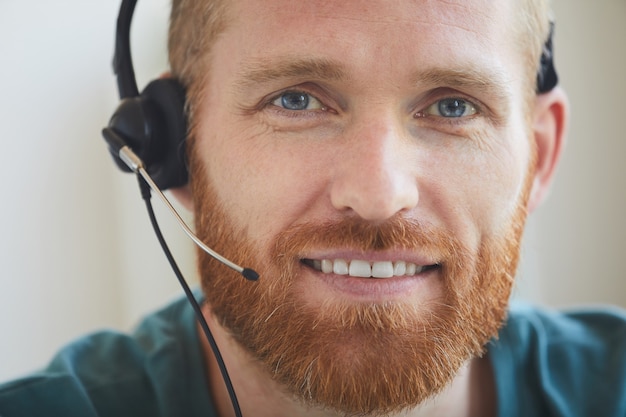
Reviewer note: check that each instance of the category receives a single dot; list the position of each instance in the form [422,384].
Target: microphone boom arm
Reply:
[135,163]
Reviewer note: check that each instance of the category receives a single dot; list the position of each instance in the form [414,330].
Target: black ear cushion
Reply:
[154,126]
[163,103]
[547,77]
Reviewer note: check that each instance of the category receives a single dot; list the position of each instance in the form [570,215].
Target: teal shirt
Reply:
[545,364]
[157,371]
[549,363]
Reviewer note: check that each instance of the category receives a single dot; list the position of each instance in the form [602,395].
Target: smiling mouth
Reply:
[365,269]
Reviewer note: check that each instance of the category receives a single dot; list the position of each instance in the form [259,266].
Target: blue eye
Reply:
[297,100]
[451,108]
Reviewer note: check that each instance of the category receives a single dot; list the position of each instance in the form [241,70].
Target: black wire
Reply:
[146,195]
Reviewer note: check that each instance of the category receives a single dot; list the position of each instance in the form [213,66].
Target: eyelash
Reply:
[466,106]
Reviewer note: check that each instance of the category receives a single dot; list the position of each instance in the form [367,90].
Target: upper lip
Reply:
[374,256]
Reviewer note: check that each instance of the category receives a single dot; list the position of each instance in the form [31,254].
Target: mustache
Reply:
[359,235]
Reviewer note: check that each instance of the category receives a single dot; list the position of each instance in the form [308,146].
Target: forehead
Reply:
[465,14]
[425,17]
[385,38]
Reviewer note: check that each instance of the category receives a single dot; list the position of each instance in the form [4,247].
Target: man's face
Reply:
[371,160]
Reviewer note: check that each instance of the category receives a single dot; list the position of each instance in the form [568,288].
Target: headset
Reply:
[146,135]
[152,123]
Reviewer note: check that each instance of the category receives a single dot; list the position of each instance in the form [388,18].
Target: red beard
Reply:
[356,358]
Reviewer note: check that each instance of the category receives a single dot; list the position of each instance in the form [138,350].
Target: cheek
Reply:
[265,185]
[502,171]
[475,191]
[498,187]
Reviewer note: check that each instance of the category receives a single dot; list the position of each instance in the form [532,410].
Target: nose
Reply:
[374,176]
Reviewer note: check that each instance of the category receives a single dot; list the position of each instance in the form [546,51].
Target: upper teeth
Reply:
[365,269]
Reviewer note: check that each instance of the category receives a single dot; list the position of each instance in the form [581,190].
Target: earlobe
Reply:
[549,128]
[184,196]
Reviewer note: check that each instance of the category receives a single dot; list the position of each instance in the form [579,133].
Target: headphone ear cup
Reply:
[166,99]
[154,126]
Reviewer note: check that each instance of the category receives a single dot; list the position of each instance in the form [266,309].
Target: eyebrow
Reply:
[492,83]
[263,71]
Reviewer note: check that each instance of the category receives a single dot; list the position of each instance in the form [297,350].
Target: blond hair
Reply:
[194,26]
[533,30]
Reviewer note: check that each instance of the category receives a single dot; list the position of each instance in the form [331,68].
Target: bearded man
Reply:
[375,162]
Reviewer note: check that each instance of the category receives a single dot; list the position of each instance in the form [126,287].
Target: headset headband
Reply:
[122,60]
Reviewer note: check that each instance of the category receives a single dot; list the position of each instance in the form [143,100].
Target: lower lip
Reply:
[376,288]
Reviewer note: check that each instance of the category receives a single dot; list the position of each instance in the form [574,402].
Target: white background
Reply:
[76,250]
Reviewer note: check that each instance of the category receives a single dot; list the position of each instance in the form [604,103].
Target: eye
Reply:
[296,101]
[451,108]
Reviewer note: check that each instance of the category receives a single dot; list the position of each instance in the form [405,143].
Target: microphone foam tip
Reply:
[250,274]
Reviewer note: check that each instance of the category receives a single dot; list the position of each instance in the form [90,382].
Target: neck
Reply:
[471,393]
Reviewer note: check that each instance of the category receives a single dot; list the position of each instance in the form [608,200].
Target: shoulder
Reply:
[562,363]
[111,373]
[83,377]
[584,325]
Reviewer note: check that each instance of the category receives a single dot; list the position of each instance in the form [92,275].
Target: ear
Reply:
[549,128]
[184,196]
